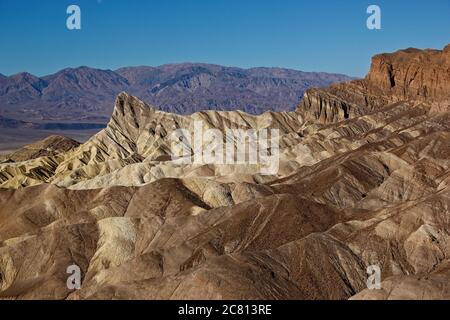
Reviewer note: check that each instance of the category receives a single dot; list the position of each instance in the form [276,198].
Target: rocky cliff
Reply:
[411,75]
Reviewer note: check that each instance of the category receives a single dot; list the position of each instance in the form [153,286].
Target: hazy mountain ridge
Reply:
[86,95]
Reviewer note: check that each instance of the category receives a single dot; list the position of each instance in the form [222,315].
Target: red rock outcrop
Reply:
[418,76]
[412,74]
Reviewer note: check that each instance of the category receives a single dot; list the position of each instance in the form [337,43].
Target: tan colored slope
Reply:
[383,200]
[148,241]
[126,230]
[50,146]
[34,163]
[137,133]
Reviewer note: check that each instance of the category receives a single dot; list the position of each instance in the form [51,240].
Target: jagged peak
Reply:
[124,101]
[25,76]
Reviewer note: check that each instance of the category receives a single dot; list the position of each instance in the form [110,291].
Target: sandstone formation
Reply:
[363,180]
[409,75]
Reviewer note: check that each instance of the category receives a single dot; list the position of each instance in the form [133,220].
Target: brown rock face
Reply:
[363,180]
[420,76]
[412,74]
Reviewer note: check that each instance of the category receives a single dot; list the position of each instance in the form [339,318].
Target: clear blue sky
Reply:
[315,35]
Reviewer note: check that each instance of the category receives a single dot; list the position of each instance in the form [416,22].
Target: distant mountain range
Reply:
[86,95]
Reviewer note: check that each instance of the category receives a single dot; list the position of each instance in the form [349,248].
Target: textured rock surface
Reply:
[409,75]
[413,74]
[364,180]
[50,146]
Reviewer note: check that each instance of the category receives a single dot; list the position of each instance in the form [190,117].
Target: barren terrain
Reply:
[363,179]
